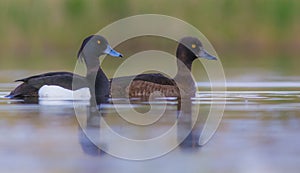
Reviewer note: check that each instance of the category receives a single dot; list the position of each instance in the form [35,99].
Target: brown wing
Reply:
[143,85]
[139,88]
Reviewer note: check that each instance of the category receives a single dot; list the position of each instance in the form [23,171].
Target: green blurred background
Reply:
[44,35]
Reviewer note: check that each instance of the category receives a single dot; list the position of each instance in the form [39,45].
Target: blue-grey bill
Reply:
[206,55]
[112,52]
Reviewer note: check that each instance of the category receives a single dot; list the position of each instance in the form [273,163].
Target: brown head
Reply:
[189,49]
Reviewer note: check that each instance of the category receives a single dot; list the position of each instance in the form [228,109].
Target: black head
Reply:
[190,48]
[95,46]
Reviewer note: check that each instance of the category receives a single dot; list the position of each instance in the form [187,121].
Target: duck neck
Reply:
[99,84]
[183,72]
[184,78]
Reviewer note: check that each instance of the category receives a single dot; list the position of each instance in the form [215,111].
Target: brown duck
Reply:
[143,85]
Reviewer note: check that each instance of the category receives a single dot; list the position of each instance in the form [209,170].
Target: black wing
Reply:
[32,84]
[62,79]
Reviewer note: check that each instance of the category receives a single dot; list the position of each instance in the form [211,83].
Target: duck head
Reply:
[190,48]
[94,46]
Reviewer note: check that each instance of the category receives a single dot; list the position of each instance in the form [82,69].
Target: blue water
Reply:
[259,132]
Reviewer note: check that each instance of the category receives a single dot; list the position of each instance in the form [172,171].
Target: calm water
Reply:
[259,132]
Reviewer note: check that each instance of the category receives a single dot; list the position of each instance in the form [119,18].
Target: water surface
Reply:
[259,132]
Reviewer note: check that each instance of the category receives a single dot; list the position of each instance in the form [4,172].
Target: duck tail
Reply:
[10,95]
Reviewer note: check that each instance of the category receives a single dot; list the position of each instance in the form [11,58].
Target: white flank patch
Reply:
[57,92]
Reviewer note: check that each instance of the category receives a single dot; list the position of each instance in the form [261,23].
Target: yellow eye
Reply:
[193,46]
[99,42]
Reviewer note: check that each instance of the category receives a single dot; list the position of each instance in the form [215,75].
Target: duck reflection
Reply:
[181,116]
[88,146]
[188,126]
[89,133]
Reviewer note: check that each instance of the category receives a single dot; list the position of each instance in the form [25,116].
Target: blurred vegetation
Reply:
[45,34]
